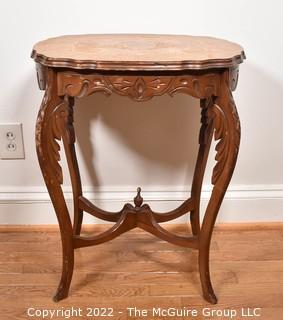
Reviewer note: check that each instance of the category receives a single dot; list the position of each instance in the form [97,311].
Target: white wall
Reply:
[152,144]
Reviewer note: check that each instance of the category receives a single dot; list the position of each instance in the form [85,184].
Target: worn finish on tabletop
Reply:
[137,52]
[143,66]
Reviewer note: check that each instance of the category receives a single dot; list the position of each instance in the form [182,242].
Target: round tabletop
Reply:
[137,52]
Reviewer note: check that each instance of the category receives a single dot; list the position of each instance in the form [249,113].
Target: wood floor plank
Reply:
[149,266]
[140,270]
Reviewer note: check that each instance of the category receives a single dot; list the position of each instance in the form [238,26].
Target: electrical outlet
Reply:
[11,141]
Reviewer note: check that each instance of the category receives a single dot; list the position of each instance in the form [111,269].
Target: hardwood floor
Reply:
[139,270]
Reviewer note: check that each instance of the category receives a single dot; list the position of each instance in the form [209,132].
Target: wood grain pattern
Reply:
[140,60]
[148,273]
[137,52]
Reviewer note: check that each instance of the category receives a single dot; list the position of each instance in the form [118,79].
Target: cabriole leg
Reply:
[48,130]
[224,117]
[65,113]
[205,136]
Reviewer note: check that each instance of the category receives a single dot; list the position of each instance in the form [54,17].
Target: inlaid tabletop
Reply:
[137,52]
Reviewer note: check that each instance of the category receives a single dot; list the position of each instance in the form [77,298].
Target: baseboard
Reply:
[248,203]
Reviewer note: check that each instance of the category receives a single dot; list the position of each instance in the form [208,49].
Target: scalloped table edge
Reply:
[138,65]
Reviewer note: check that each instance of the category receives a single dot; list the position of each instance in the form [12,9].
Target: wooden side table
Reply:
[139,67]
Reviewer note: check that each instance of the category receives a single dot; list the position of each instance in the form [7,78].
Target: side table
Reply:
[139,67]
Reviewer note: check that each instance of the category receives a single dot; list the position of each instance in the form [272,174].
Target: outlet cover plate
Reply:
[11,141]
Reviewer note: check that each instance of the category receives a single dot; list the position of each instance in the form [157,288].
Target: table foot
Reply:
[208,292]
[60,295]
[211,298]
[67,274]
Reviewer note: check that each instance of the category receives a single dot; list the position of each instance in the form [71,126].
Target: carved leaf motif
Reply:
[138,88]
[181,84]
[66,116]
[121,84]
[75,85]
[53,147]
[61,126]
[59,122]
[38,130]
[158,84]
[205,120]
[227,132]
[236,120]
[216,114]
[203,86]
[78,89]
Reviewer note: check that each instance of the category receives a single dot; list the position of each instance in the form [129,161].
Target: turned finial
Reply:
[138,200]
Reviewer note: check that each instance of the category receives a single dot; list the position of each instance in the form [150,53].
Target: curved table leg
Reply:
[223,115]
[48,130]
[68,136]
[205,137]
